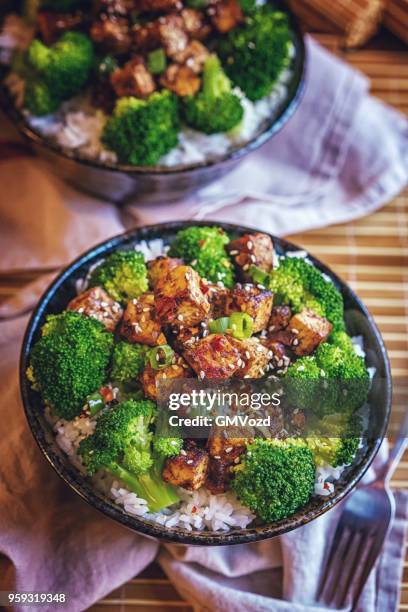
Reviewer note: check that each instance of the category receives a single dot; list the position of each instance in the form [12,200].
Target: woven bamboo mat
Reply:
[371,254]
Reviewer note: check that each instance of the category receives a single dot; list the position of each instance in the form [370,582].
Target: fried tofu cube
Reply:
[225,14]
[181,79]
[213,357]
[252,250]
[280,317]
[168,31]
[195,23]
[98,304]
[112,34]
[159,268]
[279,354]
[224,453]
[218,298]
[193,56]
[255,358]
[183,336]
[133,79]
[179,298]
[254,301]
[187,470]
[140,323]
[150,377]
[310,330]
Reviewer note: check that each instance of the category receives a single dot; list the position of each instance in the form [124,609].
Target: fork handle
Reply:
[387,471]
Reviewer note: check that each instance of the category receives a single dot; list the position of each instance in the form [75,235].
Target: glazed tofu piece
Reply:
[51,25]
[310,330]
[252,250]
[187,470]
[225,14]
[213,357]
[133,79]
[195,23]
[280,317]
[218,298]
[140,323]
[224,453]
[112,34]
[179,298]
[150,377]
[193,56]
[279,353]
[167,31]
[183,337]
[254,301]
[96,303]
[181,79]
[255,358]
[159,268]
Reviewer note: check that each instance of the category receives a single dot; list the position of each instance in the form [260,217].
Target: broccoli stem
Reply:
[149,486]
[215,81]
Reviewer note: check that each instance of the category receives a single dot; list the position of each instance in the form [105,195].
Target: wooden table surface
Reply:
[371,254]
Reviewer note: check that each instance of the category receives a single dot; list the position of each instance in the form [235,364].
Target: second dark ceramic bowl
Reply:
[121,182]
[359,322]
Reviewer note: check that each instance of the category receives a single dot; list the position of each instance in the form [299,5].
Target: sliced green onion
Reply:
[259,277]
[95,403]
[160,356]
[241,325]
[156,61]
[219,326]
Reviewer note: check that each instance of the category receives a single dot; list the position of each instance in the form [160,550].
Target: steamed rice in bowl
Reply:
[200,509]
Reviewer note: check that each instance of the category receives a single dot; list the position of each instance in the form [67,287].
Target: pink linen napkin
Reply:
[329,164]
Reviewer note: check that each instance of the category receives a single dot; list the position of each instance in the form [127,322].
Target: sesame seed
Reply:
[262,287]
[183,452]
[145,309]
[250,245]
[232,366]
[217,457]
[189,461]
[173,443]
[301,368]
[236,460]
[271,328]
[280,363]
[194,262]
[229,449]
[295,342]
[294,330]
[180,317]
[81,310]
[260,348]
[202,374]
[234,252]
[246,267]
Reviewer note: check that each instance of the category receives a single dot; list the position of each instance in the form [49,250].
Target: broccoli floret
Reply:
[204,249]
[70,361]
[255,54]
[248,6]
[128,361]
[275,478]
[63,69]
[167,447]
[141,131]
[122,445]
[302,285]
[333,379]
[215,108]
[123,275]
[335,439]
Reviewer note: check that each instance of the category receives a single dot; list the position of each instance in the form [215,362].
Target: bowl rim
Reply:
[78,483]
[286,109]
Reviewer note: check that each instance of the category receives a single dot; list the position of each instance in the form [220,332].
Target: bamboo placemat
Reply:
[371,254]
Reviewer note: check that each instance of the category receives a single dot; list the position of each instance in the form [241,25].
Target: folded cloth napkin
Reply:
[341,156]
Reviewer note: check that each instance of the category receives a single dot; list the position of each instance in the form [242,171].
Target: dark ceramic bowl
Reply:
[120,182]
[359,322]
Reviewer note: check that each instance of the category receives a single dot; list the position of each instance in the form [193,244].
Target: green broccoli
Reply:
[70,361]
[248,6]
[167,447]
[122,445]
[215,108]
[333,379]
[335,439]
[128,361]
[140,132]
[63,69]
[204,249]
[255,54]
[123,275]
[302,285]
[275,478]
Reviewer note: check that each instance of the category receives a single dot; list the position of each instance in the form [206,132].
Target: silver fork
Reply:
[363,526]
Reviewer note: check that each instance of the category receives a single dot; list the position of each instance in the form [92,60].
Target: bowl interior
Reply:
[359,322]
[268,127]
